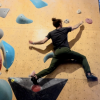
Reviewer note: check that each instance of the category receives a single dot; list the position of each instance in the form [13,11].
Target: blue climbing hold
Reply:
[9,54]
[5,90]
[21,19]
[50,55]
[39,3]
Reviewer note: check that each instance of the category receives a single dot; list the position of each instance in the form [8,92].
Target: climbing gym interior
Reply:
[25,20]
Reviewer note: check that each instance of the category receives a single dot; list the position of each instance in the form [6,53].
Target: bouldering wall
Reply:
[85,40]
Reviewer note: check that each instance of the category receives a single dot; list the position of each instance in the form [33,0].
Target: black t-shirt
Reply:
[59,37]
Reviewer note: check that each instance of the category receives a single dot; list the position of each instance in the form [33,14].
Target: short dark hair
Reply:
[56,22]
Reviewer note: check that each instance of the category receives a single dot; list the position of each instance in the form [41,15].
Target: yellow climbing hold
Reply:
[12,80]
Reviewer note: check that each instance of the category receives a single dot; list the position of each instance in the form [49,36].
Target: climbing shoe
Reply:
[91,77]
[34,80]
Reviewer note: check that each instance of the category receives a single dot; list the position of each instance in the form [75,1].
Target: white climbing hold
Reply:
[78,11]
[66,21]
[4,12]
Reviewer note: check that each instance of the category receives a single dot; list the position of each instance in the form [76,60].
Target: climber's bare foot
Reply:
[32,74]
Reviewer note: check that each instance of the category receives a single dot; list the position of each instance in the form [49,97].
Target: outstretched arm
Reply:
[39,42]
[76,26]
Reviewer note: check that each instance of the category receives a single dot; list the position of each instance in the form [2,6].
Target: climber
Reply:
[62,50]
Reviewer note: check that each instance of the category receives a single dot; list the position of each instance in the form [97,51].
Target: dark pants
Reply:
[61,54]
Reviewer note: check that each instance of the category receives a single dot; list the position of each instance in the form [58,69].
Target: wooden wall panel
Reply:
[85,42]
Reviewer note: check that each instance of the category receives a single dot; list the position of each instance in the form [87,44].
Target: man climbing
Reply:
[62,50]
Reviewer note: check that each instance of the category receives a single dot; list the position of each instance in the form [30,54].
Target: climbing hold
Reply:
[89,21]
[4,12]
[66,21]
[79,11]
[50,55]
[0,4]
[36,88]
[18,80]
[51,89]
[39,3]
[9,54]
[12,80]
[0,73]
[21,19]
[5,90]
[1,33]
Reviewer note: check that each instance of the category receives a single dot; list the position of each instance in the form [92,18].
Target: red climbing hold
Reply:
[36,88]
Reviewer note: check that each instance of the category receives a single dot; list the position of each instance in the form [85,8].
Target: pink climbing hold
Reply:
[89,21]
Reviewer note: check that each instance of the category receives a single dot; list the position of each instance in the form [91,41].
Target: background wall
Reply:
[84,40]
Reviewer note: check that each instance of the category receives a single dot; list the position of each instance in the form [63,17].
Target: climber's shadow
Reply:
[48,48]
[78,36]
[91,84]
[65,66]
